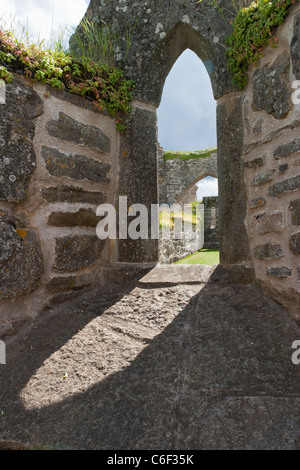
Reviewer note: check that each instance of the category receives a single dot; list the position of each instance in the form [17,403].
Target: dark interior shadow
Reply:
[224,361]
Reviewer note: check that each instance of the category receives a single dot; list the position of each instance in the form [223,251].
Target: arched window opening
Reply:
[187,137]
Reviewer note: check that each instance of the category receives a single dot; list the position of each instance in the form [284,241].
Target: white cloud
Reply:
[187,114]
[43,17]
[207,187]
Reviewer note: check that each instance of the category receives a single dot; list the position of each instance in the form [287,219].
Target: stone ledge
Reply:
[125,274]
[153,276]
[173,275]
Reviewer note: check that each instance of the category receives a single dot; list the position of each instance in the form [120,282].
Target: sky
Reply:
[187,113]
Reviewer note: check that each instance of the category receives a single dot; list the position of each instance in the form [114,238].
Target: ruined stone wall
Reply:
[211,222]
[177,177]
[58,162]
[272,163]
[173,249]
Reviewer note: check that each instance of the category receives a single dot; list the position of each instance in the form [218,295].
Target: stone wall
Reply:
[173,249]
[58,162]
[177,177]
[211,222]
[176,182]
[272,163]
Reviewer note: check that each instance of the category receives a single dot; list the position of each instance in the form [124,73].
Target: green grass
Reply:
[170,155]
[208,257]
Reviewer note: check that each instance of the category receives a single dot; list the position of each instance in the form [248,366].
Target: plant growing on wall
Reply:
[102,83]
[170,155]
[98,42]
[253,28]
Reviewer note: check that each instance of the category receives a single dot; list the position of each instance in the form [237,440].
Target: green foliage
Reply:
[98,42]
[101,83]
[253,28]
[169,155]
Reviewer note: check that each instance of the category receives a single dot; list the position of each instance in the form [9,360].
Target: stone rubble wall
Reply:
[176,182]
[211,222]
[172,249]
[176,177]
[272,167]
[58,163]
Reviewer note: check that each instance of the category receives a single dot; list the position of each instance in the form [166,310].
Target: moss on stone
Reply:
[169,155]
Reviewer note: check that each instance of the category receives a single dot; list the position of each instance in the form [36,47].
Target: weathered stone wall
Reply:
[176,184]
[176,177]
[272,163]
[211,222]
[173,249]
[58,162]
[190,195]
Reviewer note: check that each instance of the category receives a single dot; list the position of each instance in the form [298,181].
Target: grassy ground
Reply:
[208,257]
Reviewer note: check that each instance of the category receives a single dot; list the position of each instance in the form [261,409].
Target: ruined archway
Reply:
[159,33]
[177,176]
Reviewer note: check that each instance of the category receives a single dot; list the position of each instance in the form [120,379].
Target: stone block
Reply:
[263,178]
[257,129]
[285,150]
[17,127]
[81,218]
[283,168]
[256,203]
[138,179]
[280,272]
[295,243]
[60,283]
[234,243]
[21,259]
[271,90]
[77,167]
[294,207]
[256,163]
[77,252]
[268,251]
[70,130]
[270,222]
[285,186]
[295,48]
[72,194]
